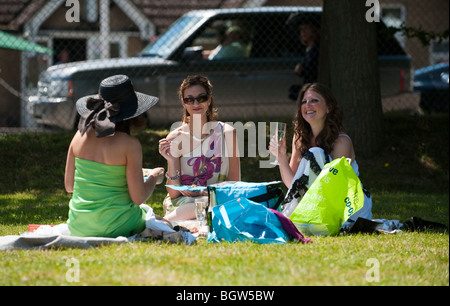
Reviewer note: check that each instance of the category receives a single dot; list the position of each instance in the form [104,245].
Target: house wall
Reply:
[431,15]
[56,27]
[119,22]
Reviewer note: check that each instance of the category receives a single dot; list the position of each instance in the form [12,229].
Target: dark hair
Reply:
[333,121]
[203,81]
[314,29]
[133,124]
[125,126]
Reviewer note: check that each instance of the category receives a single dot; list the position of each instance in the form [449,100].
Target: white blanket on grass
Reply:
[46,237]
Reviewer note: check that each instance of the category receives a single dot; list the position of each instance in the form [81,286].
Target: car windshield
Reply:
[169,41]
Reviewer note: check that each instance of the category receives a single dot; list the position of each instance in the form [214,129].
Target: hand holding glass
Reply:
[280,133]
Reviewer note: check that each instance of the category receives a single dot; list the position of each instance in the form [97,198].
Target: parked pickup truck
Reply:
[255,85]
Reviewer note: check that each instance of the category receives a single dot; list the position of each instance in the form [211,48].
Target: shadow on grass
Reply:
[34,207]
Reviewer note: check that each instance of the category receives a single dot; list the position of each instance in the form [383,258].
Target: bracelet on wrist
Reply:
[172,178]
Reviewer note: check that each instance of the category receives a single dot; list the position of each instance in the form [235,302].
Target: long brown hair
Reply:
[203,81]
[333,121]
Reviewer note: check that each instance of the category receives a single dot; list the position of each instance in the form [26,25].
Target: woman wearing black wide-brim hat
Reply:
[104,163]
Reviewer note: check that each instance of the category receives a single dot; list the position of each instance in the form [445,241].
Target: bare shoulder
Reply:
[343,139]
[127,141]
[76,138]
[343,146]
[128,147]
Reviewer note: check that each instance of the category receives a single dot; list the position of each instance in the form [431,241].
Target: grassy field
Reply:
[408,177]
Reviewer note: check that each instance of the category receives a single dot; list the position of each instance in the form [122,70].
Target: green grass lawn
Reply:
[408,177]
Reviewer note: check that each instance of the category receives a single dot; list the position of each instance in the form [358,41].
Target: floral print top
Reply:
[207,164]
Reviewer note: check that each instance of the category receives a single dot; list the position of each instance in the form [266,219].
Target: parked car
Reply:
[254,86]
[432,83]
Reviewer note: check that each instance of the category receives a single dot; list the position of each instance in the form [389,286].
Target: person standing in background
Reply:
[308,68]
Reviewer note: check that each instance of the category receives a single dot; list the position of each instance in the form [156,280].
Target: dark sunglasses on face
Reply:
[200,99]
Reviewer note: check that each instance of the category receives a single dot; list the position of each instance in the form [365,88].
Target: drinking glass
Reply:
[280,133]
[200,213]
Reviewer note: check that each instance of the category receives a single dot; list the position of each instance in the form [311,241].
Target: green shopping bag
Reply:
[335,195]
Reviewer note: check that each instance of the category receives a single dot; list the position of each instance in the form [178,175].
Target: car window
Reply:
[170,40]
[225,38]
[259,36]
[274,38]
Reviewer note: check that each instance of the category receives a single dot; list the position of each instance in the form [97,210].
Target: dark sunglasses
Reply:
[200,99]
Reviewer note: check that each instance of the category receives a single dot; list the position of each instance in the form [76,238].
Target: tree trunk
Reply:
[349,66]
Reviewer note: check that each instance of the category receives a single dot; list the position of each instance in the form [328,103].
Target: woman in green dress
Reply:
[104,163]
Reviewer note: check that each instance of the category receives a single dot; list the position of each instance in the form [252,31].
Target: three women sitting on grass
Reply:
[104,162]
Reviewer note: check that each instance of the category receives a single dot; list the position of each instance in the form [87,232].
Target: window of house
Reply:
[394,15]
[117,47]
[438,52]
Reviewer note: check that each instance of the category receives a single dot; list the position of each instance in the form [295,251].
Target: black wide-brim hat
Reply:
[118,89]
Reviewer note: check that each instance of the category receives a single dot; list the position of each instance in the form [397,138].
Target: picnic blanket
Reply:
[39,240]
[58,236]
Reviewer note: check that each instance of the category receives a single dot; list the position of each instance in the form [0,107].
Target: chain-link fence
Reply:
[256,55]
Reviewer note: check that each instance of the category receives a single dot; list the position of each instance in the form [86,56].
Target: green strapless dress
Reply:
[101,205]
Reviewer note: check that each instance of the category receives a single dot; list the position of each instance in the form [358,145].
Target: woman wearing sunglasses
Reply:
[200,152]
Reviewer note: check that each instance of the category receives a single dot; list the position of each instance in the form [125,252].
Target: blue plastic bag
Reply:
[267,193]
[187,188]
[243,219]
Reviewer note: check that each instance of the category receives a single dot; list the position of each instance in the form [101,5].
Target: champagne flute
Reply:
[280,133]
[200,205]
